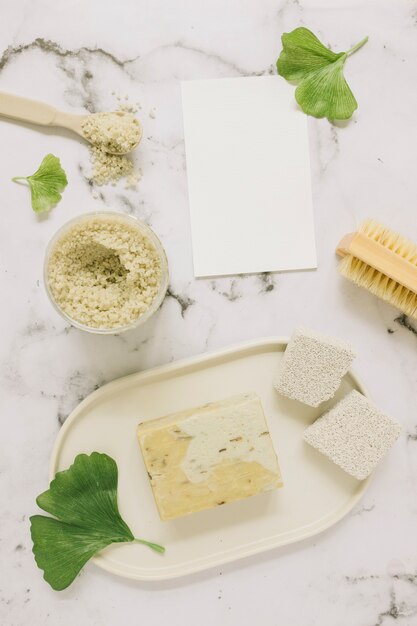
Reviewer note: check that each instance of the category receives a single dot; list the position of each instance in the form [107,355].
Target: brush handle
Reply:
[380,258]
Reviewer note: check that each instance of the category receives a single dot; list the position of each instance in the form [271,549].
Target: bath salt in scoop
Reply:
[115,132]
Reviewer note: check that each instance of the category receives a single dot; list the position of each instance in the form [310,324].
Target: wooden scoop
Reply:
[35,112]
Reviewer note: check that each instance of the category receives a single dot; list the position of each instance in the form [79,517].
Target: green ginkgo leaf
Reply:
[83,498]
[322,90]
[46,184]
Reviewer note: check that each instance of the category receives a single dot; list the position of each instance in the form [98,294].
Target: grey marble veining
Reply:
[362,572]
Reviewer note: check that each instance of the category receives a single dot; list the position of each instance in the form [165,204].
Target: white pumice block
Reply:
[313,367]
[354,434]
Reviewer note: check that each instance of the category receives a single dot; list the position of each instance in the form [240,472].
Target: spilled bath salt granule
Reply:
[126,105]
[112,132]
[109,168]
[134,178]
[104,272]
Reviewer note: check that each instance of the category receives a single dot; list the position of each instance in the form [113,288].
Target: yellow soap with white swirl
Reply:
[209,456]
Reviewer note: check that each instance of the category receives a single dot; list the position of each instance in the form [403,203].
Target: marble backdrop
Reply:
[363,571]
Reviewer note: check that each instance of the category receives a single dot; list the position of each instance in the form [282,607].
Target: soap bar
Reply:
[209,456]
[313,367]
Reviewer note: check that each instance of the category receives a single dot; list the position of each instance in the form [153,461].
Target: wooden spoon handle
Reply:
[27,110]
[35,112]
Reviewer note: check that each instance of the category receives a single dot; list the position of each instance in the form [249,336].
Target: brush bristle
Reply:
[380,285]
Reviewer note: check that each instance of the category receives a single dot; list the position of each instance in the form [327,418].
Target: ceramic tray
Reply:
[316,493]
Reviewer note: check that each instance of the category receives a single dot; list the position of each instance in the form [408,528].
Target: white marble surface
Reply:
[74,54]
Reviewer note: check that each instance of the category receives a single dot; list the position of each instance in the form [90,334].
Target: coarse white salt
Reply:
[111,133]
[115,132]
[109,168]
[104,272]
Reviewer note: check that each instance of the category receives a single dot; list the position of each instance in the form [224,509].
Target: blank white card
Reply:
[248,173]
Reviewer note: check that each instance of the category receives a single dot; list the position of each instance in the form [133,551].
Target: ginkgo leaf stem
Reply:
[153,546]
[358,45]
[18,178]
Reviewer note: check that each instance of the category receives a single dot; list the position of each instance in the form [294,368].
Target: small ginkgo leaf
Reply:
[61,550]
[322,90]
[325,93]
[302,52]
[83,498]
[46,184]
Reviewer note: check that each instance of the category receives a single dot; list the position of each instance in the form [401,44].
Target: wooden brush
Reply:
[383,262]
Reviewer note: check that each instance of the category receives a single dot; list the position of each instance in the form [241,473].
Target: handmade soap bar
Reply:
[209,456]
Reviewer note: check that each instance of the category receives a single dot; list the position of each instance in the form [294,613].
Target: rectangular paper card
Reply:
[248,176]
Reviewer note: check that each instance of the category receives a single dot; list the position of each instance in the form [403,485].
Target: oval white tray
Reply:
[316,493]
